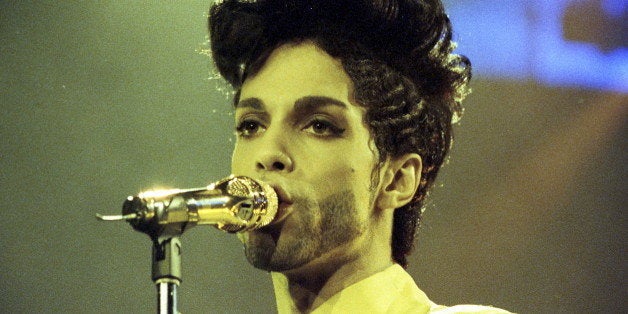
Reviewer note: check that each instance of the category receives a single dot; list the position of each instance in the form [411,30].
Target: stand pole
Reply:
[167,298]
[167,273]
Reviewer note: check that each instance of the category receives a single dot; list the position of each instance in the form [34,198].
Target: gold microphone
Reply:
[233,204]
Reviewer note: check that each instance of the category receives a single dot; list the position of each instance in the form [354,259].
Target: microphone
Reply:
[233,204]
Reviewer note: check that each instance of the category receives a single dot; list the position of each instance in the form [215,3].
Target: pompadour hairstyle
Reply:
[398,53]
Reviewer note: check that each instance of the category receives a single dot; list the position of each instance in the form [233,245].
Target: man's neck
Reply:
[303,290]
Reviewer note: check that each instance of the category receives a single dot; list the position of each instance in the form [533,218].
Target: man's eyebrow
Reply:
[253,103]
[311,103]
[301,105]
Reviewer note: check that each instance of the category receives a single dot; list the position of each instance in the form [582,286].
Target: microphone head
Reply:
[264,202]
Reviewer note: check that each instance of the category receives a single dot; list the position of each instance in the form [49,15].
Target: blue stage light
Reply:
[525,40]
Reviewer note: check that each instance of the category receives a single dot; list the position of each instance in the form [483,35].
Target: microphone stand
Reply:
[166,255]
[231,204]
[166,239]
[167,272]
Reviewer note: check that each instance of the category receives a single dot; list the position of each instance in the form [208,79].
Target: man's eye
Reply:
[248,128]
[323,128]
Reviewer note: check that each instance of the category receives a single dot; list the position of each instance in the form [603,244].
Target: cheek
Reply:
[237,159]
[342,172]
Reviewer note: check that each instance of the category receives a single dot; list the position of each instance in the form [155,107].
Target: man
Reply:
[345,108]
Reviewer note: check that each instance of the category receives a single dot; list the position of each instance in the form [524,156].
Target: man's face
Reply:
[299,130]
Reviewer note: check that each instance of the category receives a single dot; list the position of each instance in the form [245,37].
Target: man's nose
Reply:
[275,162]
[274,156]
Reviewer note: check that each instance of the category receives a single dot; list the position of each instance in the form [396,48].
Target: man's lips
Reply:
[284,203]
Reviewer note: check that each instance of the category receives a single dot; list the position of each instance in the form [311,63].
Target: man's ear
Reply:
[400,181]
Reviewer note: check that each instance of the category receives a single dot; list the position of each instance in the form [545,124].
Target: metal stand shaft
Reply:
[167,273]
[167,298]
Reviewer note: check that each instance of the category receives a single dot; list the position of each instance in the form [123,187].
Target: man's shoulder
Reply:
[466,308]
[411,299]
[392,291]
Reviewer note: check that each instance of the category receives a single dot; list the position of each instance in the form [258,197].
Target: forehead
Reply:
[293,71]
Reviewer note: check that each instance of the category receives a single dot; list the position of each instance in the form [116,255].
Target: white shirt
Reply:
[390,291]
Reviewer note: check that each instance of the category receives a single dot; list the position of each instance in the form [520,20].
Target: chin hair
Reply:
[336,226]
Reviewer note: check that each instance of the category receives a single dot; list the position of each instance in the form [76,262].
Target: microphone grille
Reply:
[272,204]
[242,187]
[265,200]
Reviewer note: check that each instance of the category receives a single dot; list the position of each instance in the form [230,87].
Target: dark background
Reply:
[100,100]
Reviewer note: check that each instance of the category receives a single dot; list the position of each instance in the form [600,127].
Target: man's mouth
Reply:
[283,211]
[284,201]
